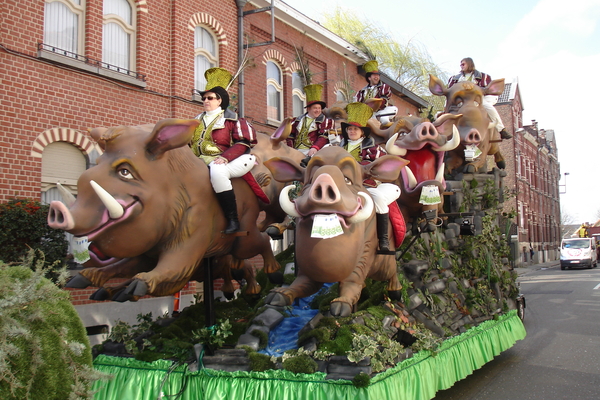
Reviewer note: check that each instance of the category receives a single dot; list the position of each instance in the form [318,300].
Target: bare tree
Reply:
[409,64]
[567,223]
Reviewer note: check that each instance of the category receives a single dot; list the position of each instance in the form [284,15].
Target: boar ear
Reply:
[170,134]
[96,134]
[385,169]
[436,86]
[285,169]
[495,88]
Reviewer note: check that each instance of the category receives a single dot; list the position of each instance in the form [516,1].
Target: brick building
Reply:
[70,65]
[533,174]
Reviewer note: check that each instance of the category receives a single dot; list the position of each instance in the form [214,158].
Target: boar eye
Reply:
[476,103]
[123,172]
[347,180]
[459,104]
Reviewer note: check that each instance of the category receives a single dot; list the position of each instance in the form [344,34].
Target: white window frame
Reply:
[79,11]
[128,28]
[278,86]
[213,59]
[298,92]
[340,96]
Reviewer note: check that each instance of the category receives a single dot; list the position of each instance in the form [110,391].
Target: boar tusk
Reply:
[67,196]
[366,210]
[115,210]
[440,174]
[453,143]
[286,205]
[391,147]
[412,180]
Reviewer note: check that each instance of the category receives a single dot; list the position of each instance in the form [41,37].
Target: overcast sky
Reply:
[551,46]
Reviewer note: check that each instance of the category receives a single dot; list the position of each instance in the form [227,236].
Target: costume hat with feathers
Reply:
[358,115]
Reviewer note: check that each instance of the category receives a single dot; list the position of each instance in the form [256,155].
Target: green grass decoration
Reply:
[44,346]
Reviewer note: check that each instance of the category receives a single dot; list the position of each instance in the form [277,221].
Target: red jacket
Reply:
[481,79]
[369,152]
[232,135]
[318,136]
[384,91]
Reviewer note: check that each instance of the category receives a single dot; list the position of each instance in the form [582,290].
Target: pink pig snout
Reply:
[59,216]
[324,190]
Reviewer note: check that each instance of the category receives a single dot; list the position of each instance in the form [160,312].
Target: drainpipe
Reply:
[240,5]
[241,46]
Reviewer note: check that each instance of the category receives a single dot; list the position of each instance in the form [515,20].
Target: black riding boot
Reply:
[382,232]
[229,206]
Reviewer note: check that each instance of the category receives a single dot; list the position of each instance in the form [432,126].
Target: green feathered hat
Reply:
[218,81]
[358,115]
[217,77]
[313,95]
[371,67]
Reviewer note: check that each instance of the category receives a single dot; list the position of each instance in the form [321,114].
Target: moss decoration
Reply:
[260,362]
[45,350]
[300,364]
[361,380]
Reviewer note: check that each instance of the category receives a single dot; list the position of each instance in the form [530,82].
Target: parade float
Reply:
[332,316]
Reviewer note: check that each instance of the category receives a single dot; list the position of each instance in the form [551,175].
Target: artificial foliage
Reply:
[45,352]
[300,364]
[260,362]
[450,284]
[24,226]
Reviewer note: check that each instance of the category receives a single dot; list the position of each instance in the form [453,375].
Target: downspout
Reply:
[240,5]
[241,46]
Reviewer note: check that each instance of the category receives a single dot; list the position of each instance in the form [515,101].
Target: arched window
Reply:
[274,93]
[64,25]
[340,96]
[205,55]
[61,163]
[118,34]
[298,96]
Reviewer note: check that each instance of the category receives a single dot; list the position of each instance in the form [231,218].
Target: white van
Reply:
[578,252]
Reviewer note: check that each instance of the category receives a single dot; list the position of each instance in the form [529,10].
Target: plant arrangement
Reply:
[44,346]
[24,226]
[456,288]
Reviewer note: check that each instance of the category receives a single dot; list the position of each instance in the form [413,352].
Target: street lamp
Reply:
[564,186]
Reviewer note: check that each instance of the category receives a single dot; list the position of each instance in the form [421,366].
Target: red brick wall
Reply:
[39,95]
[328,68]
[82,296]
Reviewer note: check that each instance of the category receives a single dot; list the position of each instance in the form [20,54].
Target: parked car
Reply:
[578,253]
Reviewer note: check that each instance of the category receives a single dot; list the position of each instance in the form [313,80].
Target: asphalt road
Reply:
[560,357]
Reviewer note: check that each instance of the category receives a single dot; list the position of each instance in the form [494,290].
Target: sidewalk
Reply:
[548,264]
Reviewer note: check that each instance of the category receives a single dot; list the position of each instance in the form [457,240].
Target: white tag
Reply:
[472,152]
[326,226]
[430,195]
[80,249]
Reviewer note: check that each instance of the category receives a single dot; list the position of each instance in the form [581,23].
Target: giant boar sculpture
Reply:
[149,202]
[333,188]
[424,146]
[477,132]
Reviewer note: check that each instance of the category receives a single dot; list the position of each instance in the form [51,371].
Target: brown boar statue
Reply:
[345,251]
[149,202]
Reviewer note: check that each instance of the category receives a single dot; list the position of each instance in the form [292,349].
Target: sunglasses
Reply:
[209,98]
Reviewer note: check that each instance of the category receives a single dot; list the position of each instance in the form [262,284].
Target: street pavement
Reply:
[534,267]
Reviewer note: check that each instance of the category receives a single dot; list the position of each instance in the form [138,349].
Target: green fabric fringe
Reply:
[417,378]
